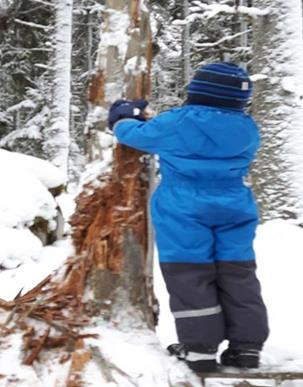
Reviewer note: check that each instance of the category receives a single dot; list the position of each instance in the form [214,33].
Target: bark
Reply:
[110,224]
[57,137]
[277,106]
[186,46]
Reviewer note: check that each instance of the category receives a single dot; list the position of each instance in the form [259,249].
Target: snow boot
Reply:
[196,357]
[241,358]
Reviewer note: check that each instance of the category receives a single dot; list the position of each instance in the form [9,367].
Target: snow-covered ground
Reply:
[25,262]
[280,267]
[280,270]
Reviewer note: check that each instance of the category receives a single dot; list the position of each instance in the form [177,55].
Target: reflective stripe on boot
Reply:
[196,357]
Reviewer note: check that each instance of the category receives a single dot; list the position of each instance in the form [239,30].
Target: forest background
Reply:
[62,64]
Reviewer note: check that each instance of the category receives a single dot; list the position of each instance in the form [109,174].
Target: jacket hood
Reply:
[222,133]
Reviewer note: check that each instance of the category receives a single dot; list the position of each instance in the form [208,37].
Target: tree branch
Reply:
[218,42]
[215,9]
[34,25]
[48,4]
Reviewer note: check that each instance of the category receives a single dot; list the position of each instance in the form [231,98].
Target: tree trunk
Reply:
[111,222]
[57,138]
[277,107]
[186,47]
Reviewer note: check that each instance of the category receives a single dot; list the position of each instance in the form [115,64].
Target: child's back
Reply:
[200,143]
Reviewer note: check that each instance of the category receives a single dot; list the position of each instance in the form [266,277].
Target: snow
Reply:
[57,134]
[20,246]
[147,365]
[25,263]
[96,169]
[115,36]
[19,375]
[201,11]
[135,351]
[258,77]
[24,191]
[280,271]
[280,56]
[24,196]
[49,175]
[213,9]
[32,271]
[289,84]
[280,267]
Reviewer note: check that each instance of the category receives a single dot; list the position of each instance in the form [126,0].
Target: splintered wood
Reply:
[109,227]
[58,305]
[102,217]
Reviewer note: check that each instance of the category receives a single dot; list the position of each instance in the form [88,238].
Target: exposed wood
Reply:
[37,348]
[80,357]
[96,89]
[110,225]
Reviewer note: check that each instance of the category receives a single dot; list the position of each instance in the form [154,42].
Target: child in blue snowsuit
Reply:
[204,216]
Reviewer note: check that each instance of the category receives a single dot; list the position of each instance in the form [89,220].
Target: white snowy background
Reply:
[25,262]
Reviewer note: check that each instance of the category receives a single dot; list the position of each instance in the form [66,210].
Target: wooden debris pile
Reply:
[58,307]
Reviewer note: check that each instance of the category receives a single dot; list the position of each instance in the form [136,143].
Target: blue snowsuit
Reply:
[205,220]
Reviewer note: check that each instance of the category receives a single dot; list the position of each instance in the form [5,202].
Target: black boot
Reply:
[196,357]
[241,358]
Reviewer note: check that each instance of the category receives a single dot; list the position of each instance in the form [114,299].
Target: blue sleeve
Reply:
[148,136]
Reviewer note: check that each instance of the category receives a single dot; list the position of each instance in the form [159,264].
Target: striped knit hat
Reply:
[220,84]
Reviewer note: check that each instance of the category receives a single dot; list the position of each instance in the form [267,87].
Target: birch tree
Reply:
[110,224]
[57,137]
[277,106]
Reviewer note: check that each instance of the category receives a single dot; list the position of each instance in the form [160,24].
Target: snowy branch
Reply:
[48,4]
[34,25]
[214,9]
[43,66]
[218,42]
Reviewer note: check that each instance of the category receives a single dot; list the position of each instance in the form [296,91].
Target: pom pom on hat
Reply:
[221,85]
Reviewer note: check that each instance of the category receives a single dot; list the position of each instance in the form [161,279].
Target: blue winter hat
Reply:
[220,84]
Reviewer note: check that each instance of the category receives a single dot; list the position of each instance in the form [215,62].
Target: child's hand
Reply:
[126,109]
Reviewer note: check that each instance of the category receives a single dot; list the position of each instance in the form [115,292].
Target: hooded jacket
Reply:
[195,143]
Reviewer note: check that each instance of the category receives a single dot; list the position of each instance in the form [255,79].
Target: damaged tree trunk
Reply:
[110,223]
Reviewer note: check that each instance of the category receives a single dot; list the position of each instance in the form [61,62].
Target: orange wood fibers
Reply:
[96,89]
[104,214]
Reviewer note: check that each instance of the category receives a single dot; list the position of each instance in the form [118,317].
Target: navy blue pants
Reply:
[205,241]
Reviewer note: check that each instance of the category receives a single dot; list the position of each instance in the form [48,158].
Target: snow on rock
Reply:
[20,246]
[24,193]
[32,272]
[24,197]
[49,175]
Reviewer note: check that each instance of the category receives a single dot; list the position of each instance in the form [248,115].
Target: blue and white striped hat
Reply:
[220,84]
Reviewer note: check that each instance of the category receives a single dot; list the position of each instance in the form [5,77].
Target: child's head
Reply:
[221,85]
